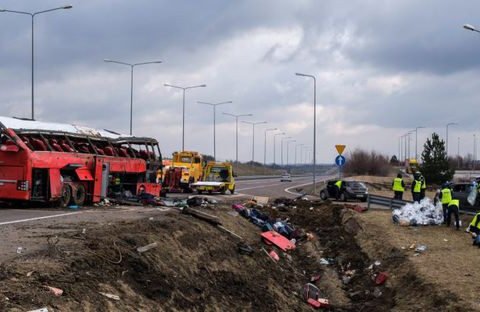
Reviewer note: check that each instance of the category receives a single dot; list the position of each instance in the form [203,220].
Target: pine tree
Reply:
[435,167]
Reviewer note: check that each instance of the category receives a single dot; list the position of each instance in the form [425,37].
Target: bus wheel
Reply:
[79,195]
[66,196]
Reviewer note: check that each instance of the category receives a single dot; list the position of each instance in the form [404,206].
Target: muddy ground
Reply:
[197,267]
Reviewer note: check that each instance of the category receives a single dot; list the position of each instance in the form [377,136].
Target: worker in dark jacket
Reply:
[445,198]
[474,228]
[453,207]
[398,187]
[340,187]
[416,187]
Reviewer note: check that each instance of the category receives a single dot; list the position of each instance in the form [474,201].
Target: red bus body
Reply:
[43,162]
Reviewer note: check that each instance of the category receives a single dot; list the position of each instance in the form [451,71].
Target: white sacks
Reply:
[423,213]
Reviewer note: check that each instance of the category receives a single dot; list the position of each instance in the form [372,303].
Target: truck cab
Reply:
[217,177]
[189,163]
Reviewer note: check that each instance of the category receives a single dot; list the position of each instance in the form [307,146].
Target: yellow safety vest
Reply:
[474,221]
[454,202]
[446,195]
[397,185]
[424,184]
[339,184]
[417,187]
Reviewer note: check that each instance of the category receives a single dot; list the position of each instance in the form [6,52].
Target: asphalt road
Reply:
[25,217]
[26,229]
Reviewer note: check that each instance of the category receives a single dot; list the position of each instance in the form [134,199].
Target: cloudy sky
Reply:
[382,67]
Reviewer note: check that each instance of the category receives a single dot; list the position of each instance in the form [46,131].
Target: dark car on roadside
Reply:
[461,191]
[351,190]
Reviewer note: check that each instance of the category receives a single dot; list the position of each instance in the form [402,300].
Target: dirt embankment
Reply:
[196,267]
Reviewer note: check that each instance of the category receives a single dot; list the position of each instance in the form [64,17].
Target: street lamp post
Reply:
[446,142]
[236,130]
[214,105]
[32,15]
[253,135]
[281,149]
[416,139]
[274,148]
[183,106]
[265,145]
[470,27]
[314,125]
[131,82]
[288,147]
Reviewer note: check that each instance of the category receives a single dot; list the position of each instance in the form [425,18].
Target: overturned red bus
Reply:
[68,164]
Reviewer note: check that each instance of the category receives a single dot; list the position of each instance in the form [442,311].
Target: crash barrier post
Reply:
[386,201]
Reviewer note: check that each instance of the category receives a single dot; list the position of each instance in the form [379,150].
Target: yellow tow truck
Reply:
[412,166]
[217,177]
[185,169]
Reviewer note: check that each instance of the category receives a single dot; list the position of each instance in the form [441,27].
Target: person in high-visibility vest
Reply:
[339,185]
[398,187]
[474,228]
[416,187]
[453,207]
[445,198]
[423,188]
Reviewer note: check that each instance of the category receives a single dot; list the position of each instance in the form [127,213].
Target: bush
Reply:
[361,162]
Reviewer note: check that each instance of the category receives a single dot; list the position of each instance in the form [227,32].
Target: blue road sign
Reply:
[340,160]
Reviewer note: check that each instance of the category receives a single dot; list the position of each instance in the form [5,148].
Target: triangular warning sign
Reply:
[340,148]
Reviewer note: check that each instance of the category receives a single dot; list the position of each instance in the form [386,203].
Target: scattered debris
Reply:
[377,292]
[315,278]
[19,250]
[40,310]
[311,295]
[381,278]
[244,249]
[57,292]
[30,273]
[110,296]
[274,255]
[261,200]
[147,247]
[324,261]
[421,248]
[355,207]
[278,240]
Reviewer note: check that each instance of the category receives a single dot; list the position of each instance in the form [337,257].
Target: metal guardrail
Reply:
[386,202]
[397,204]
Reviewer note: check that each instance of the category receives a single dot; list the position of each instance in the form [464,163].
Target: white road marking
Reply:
[40,218]
[259,187]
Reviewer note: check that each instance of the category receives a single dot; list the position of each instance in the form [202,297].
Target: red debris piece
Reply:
[274,255]
[314,303]
[381,278]
[357,208]
[278,240]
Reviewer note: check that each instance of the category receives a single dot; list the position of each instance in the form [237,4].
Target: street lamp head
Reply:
[107,60]
[2,10]
[299,74]
[469,27]
[67,7]
[202,86]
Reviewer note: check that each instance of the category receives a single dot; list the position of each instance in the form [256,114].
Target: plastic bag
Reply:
[472,197]
[423,213]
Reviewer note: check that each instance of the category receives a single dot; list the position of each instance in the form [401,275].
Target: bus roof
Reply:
[32,125]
